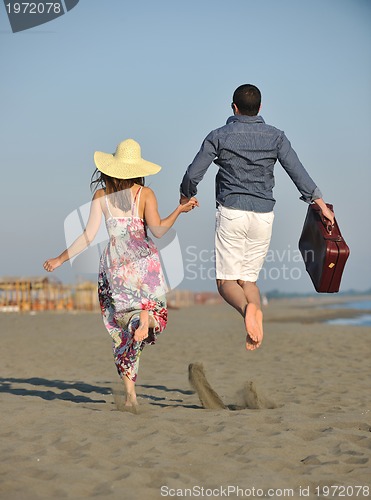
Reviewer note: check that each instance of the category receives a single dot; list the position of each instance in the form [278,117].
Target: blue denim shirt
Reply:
[245,150]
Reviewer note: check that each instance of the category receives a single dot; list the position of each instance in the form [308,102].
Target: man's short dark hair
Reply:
[247,98]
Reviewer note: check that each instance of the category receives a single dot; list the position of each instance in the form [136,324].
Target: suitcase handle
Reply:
[326,222]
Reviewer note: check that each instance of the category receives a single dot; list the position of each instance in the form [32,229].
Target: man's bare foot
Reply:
[141,332]
[252,323]
[259,319]
[254,327]
[250,344]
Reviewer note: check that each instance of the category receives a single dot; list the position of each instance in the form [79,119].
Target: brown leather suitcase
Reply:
[323,249]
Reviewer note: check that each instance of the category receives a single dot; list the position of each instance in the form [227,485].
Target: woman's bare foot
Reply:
[131,399]
[254,327]
[141,332]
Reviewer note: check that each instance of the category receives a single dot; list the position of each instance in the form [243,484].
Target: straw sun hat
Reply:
[126,162]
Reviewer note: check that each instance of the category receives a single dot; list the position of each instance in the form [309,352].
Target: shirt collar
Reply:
[245,119]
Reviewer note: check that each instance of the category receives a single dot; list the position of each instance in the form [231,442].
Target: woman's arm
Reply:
[153,220]
[84,240]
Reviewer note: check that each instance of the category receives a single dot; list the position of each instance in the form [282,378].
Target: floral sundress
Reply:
[130,280]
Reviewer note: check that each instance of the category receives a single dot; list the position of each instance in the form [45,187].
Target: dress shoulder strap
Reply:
[134,211]
[107,205]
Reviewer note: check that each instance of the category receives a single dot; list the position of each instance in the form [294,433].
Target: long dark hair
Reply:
[112,185]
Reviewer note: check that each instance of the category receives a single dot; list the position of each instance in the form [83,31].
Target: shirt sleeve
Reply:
[197,169]
[300,177]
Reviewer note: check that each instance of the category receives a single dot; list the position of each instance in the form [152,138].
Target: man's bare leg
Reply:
[254,315]
[235,296]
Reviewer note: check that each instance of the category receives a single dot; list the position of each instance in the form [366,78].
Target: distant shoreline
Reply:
[304,310]
[314,309]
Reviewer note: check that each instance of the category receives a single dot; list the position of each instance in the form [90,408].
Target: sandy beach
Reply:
[297,416]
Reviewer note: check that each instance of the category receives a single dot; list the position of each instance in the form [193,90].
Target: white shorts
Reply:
[242,241]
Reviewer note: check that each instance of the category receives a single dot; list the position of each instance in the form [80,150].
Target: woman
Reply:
[131,285]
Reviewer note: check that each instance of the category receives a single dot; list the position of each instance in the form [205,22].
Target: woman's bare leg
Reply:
[131,397]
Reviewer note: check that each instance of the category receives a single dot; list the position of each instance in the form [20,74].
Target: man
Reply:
[245,150]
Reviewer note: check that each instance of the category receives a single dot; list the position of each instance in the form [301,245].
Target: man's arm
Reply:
[300,177]
[197,169]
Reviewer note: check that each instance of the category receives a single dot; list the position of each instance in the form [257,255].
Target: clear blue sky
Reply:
[163,73]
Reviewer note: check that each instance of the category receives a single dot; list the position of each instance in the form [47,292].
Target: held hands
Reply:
[186,205]
[51,264]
